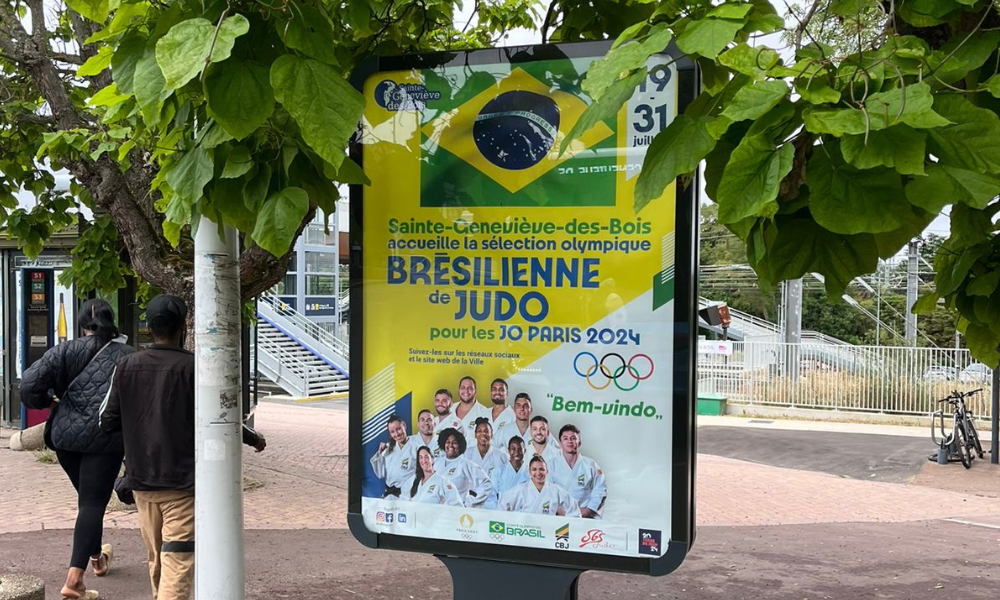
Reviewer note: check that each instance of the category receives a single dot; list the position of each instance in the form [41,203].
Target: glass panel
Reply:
[315,235]
[319,284]
[320,262]
[286,286]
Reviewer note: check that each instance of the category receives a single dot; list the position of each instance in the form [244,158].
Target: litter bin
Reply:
[711,404]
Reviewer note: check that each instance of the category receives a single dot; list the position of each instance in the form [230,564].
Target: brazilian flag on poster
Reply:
[493,140]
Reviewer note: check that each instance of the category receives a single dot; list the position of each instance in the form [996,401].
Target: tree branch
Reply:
[70,59]
[260,270]
[547,22]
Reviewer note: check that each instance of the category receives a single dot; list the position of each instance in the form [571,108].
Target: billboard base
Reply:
[476,579]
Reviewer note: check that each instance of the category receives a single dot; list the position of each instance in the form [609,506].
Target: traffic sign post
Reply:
[522,339]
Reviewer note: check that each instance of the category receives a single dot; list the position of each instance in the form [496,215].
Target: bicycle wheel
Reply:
[964,448]
[974,438]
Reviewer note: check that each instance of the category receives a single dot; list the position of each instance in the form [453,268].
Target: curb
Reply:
[21,587]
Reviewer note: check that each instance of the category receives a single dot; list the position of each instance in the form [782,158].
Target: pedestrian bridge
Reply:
[298,355]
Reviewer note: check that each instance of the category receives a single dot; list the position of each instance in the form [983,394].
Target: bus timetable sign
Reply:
[522,340]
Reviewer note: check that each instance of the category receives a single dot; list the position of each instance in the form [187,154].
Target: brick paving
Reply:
[304,477]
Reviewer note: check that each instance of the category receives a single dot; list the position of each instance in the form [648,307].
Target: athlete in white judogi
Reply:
[520,426]
[469,409]
[428,486]
[542,443]
[425,432]
[539,496]
[501,415]
[579,475]
[490,459]
[515,471]
[445,416]
[395,461]
[473,486]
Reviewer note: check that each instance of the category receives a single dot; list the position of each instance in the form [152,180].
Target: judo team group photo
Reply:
[502,457]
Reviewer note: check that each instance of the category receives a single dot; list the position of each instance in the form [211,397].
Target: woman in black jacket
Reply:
[73,380]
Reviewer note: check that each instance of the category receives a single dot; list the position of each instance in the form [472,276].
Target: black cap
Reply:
[166,312]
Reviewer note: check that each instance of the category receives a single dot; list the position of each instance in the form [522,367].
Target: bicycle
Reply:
[963,433]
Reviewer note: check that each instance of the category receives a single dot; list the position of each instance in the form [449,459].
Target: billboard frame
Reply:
[684,331]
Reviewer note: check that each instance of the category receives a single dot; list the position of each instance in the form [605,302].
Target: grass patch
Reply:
[250,484]
[46,457]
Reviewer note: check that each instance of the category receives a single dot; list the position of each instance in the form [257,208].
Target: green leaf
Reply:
[605,108]
[714,78]
[847,200]
[255,190]
[351,173]
[972,141]
[926,304]
[815,91]
[993,86]
[629,33]
[240,97]
[970,226]
[149,86]
[754,100]
[708,37]
[184,51]
[95,10]
[212,135]
[188,177]
[912,105]
[731,11]
[982,342]
[107,96]
[750,183]
[962,54]
[227,198]
[279,219]
[627,57]
[849,8]
[675,151]
[798,245]
[326,107]
[310,32]
[238,163]
[926,13]
[983,285]
[96,63]
[945,184]
[127,56]
[899,147]
[952,270]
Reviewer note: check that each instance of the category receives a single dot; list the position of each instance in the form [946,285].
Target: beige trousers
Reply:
[166,520]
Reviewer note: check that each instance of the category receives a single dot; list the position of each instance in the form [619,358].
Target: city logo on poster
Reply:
[562,537]
[649,541]
[396,97]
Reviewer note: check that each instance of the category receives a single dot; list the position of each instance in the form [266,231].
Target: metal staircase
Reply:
[301,357]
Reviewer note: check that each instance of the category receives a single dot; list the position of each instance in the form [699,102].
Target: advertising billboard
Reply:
[521,363]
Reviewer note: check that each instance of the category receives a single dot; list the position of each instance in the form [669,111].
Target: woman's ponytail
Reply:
[97,317]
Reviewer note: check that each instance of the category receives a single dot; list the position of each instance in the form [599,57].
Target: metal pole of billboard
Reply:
[218,505]
[475,579]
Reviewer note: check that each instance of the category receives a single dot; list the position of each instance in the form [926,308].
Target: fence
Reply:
[873,379]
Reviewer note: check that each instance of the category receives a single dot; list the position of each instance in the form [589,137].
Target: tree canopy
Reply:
[834,152]
[165,111]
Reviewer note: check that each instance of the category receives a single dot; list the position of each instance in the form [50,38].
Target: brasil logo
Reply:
[496,527]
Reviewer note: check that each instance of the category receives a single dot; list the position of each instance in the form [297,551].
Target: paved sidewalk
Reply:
[303,473]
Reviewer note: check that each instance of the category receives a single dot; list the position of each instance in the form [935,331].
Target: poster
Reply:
[506,278]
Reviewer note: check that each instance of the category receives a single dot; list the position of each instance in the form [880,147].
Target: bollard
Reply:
[942,457]
[21,587]
[32,438]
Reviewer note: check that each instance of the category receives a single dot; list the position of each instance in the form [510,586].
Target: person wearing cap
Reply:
[151,401]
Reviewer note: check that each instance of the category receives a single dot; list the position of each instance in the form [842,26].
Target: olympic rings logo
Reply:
[497,537]
[612,367]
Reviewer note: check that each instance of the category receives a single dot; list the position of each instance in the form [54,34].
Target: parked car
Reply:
[976,373]
[941,373]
